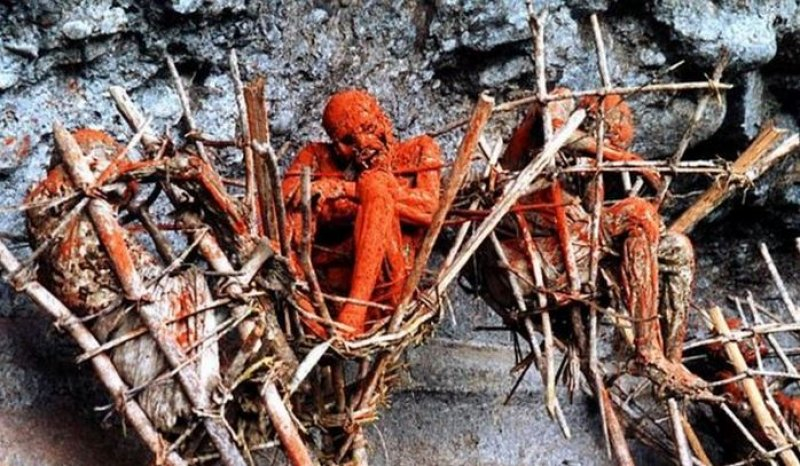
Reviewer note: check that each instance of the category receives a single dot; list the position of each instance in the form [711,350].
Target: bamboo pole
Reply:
[760,411]
[753,162]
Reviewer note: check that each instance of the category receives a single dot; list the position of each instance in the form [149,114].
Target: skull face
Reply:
[359,129]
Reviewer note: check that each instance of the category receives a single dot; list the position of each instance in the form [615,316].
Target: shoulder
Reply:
[422,148]
[315,150]
[312,155]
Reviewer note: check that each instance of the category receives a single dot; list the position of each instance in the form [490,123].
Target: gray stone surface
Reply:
[425,60]
[702,28]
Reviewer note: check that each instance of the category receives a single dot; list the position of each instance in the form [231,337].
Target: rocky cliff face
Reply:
[425,60]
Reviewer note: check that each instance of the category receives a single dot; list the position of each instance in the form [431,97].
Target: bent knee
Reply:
[675,250]
[634,213]
[376,184]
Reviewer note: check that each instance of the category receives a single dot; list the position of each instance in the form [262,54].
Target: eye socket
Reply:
[348,139]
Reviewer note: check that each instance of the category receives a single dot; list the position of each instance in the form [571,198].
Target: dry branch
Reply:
[698,115]
[753,162]
[480,115]
[133,117]
[760,410]
[664,87]
[512,194]
[694,442]
[537,27]
[250,188]
[305,255]
[534,261]
[102,214]
[594,261]
[282,422]
[776,277]
[270,196]
[622,454]
[523,308]
[187,109]
[537,24]
[681,442]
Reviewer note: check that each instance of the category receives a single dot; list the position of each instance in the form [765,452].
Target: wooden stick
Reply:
[536,24]
[605,78]
[269,195]
[282,422]
[113,163]
[522,307]
[765,380]
[595,221]
[109,231]
[258,124]
[163,246]
[665,87]
[741,334]
[534,260]
[250,202]
[102,364]
[491,161]
[699,111]
[480,115]
[757,320]
[187,109]
[753,162]
[133,117]
[545,372]
[305,256]
[681,443]
[760,410]
[776,277]
[626,90]
[515,190]
[270,158]
[694,442]
[745,431]
[597,210]
[698,166]
[622,454]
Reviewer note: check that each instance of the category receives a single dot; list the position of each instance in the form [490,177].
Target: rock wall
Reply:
[425,60]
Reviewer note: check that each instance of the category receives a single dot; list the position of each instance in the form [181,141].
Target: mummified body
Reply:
[654,267]
[373,197]
[78,270]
